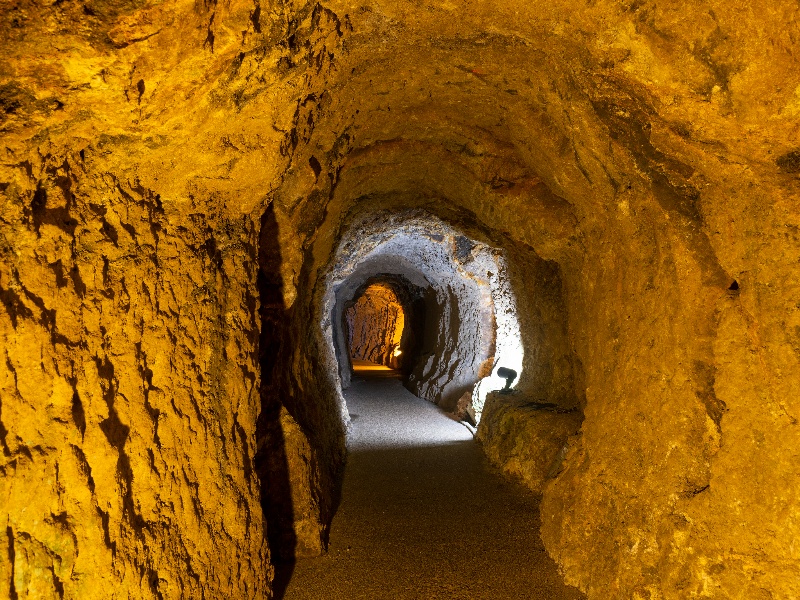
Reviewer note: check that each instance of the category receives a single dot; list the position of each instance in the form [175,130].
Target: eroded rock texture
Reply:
[637,163]
[375,326]
[527,439]
[129,392]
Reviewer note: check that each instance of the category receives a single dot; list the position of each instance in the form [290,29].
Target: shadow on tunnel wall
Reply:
[271,460]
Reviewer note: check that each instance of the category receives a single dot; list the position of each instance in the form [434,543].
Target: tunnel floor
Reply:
[423,515]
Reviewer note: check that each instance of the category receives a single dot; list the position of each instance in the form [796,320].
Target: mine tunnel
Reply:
[442,300]
[211,212]
[409,295]
[375,321]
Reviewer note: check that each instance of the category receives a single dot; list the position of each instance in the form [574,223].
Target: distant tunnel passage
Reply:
[375,324]
[410,292]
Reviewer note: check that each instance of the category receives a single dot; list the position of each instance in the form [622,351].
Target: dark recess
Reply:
[255,17]
[12,592]
[271,463]
[315,166]
[463,248]
[78,415]
[789,162]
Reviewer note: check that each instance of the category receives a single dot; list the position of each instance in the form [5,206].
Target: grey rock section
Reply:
[423,516]
[456,276]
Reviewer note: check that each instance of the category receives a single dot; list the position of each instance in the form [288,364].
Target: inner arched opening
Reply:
[458,309]
[384,325]
[375,324]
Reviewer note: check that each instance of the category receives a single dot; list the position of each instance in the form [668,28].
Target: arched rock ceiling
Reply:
[491,101]
[460,288]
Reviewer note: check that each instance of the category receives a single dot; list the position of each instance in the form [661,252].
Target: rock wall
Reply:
[129,324]
[527,439]
[375,326]
[129,388]
[661,454]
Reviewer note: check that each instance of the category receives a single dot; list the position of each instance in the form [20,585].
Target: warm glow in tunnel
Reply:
[375,326]
[211,212]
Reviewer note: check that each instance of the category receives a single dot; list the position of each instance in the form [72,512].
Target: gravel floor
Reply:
[422,515]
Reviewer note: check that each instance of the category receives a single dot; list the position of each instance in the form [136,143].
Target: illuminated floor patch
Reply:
[361,366]
[386,415]
[422,516]
[363,369]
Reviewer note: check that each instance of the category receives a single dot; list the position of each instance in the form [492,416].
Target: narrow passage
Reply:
[422,515]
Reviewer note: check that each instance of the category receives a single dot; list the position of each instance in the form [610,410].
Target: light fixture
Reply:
[509,375]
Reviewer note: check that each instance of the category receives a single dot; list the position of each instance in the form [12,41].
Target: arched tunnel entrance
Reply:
[384,323]
[443,306]
[459,311]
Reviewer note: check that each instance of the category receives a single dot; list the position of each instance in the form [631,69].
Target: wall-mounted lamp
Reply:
[509,375]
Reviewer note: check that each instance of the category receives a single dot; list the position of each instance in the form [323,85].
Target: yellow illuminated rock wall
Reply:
[129,393]
[375,325]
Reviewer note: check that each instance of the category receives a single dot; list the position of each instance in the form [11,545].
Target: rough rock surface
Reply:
[375,326]
[527,439]
[129,395]
[646,152]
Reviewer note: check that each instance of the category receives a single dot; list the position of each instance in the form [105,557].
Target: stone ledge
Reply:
[526,439]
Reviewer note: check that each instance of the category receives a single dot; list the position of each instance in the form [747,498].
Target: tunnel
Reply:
[211,211]
[374,323]
[461,312]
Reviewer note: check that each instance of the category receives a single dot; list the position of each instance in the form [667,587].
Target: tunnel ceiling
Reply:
[570,109]
[594,116]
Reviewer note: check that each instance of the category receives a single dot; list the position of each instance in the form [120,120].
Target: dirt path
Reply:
[422,514]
